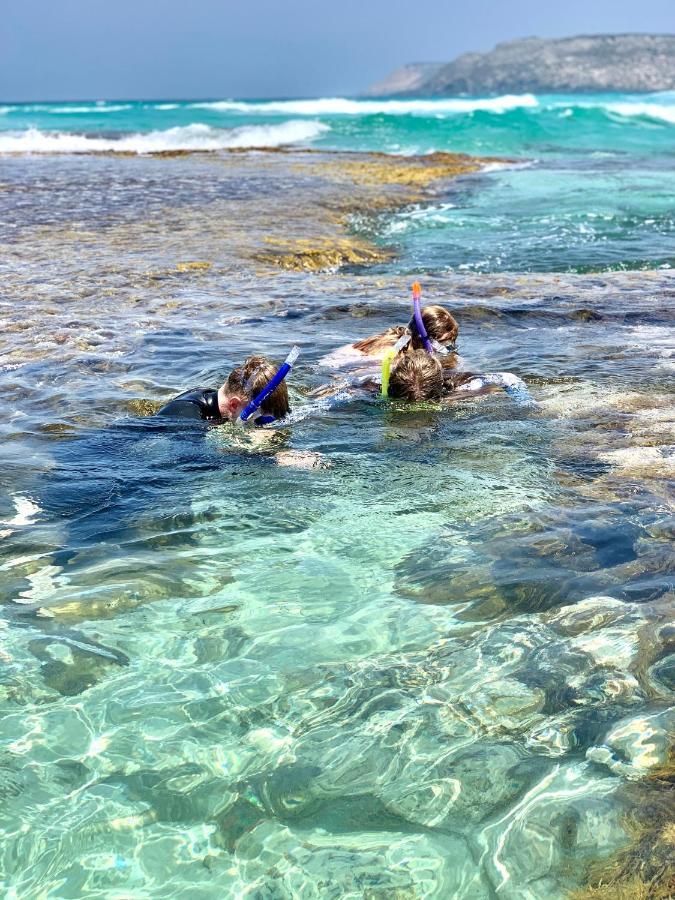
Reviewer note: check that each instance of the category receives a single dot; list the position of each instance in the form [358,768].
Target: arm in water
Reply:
[511,384]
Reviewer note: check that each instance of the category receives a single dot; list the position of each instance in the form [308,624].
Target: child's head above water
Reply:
[416,376]
[248,380]
[440,324]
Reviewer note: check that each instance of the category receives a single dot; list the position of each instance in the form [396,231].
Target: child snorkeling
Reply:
[419,376]
[417,367]
[440,328]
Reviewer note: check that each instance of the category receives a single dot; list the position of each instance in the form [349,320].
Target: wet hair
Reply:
[453,379]
[259,370]
[440,324]
[416,376]
[382,341]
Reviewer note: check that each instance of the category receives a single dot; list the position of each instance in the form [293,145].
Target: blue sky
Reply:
[109,49]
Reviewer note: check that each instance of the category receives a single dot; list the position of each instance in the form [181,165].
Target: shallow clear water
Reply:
[432,669]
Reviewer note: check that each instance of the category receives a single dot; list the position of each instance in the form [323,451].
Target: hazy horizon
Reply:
[268,50]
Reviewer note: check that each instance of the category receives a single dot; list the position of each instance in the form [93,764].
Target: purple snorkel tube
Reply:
[417,315]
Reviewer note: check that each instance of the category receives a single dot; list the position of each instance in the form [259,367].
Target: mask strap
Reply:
[402,342]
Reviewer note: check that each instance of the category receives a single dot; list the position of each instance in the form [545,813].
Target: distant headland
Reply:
[626,63]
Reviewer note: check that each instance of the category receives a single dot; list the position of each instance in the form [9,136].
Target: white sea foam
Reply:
[96,108]
[340,106]
[503,166]
[26,511]
[72,108]
[189,137]
[659,107]
[659,111]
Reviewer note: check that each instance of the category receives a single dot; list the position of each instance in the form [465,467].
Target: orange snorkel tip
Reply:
[417,316]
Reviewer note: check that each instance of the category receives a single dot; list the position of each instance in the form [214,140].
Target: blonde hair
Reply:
[382,341]
[251,377]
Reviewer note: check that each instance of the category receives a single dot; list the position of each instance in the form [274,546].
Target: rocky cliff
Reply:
[603,62]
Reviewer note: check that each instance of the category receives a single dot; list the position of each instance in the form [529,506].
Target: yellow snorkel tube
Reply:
[386,371]
[390,356]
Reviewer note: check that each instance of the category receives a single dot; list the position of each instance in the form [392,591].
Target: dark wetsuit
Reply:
[199,403]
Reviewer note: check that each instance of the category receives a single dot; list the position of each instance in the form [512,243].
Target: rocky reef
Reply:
[585,63]
[354,185]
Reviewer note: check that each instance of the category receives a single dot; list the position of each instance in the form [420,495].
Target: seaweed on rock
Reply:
[645,868]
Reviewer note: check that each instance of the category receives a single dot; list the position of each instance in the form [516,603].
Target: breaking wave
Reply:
[70,108]
[659,111]
[97,108]
[658,107]
[340,106]
[189,137]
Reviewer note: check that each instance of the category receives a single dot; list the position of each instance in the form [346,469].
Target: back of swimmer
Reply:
[414,376]
[440,324]
[419,375]
[228,402]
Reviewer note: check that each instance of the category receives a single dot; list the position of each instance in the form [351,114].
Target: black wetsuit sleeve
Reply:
[198,403]
[181,409]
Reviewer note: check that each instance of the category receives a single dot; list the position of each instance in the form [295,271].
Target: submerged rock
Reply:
[504,705]
[462,788]
[193,266]
[644,868]
[638,745]
[305,256]
[565,819]
[272,860]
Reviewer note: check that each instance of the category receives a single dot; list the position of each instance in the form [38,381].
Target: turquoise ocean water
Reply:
[440,667]
[592,188]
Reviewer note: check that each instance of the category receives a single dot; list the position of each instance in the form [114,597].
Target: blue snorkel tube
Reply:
[273,383]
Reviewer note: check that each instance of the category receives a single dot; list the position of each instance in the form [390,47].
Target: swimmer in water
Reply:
[419,366]
[418,376]
[227,403]
[441,327]
[239,398]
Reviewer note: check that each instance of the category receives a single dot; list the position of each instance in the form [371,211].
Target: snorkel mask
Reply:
[250,410]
